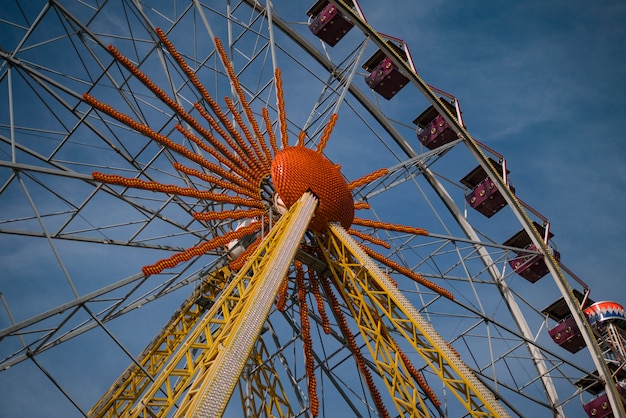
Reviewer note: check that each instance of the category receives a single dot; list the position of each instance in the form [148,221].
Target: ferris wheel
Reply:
[247,208]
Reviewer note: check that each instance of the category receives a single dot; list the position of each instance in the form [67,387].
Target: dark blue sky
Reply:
[543,84]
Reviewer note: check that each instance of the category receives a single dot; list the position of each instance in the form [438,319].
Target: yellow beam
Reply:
[264,271]
[386,357]
[261,391]
[129,387]
[373,297]
[179,362]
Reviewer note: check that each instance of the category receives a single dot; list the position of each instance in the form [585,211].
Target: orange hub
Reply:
[296,170]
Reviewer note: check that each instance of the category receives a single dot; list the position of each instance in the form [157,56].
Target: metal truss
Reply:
[374,302]
[62,210]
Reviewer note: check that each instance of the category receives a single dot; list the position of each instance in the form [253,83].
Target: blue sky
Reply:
[542,83]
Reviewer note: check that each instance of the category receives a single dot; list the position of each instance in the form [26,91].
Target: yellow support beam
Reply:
[261,391]
[262,274]
[372,298]
[193,348]
[129,387]
[386,356]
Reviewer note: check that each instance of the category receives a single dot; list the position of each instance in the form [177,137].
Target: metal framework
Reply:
[188,359]
[50,142]
[218,345]
[373,300]
[125,392]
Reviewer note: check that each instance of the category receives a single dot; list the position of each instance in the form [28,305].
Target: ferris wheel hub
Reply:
[296,170]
